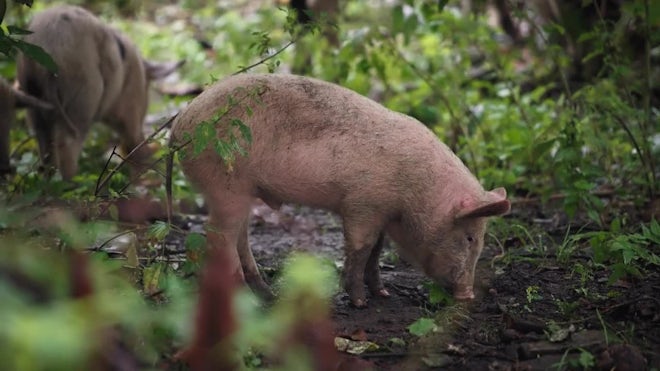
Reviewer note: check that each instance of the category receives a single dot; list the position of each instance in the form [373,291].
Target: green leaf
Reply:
[246,133]
[422,326]
[204,134]
[195,241]
[131,254]
[397,342]
[37,54]
[586,359]
[397,18]
[151,278]
[557,27]
[439,295]
[655,231]
[114,212]
[159,230]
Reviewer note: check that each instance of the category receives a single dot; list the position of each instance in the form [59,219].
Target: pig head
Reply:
[101,77]
[10,99]
[449,251]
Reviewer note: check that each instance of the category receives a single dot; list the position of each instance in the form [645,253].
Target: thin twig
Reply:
[649,172]
[123,233]
[21,144]
[121,164]
[647,93]
[562,73]
[244,69]
[443,98]
[105,168]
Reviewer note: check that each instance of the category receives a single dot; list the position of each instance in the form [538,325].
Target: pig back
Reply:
[92,60]
[318,143]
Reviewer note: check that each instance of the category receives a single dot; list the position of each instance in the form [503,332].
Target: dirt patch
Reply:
[531,312]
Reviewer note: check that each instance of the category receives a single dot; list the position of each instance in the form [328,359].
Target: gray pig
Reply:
[10,99]
[101,76]
[318,144]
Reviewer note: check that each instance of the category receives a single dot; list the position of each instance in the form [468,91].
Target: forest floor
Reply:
[531,312]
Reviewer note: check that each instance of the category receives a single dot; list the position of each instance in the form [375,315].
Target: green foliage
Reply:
[540,141]
[439,295]
[10,44]
[626,254]
[46,326]
[517,121]
[159,230]
[422,326]
[584,361]
[306,289]
[532,293]
[224,134]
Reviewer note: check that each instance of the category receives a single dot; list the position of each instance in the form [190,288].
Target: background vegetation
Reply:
[563,112]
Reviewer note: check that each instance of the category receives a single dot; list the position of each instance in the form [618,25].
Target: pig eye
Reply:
[470,239]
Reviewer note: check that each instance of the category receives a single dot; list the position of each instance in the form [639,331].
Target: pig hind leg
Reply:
[68,144]
[130,130]
[372,271]
[44,131]
[361,236]
[250,270]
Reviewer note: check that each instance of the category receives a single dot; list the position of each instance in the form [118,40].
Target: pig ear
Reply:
[158,70]
[493,203]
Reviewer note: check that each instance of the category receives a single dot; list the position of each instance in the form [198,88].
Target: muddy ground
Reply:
[531,312]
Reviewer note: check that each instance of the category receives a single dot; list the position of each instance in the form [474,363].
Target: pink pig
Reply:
[319,144]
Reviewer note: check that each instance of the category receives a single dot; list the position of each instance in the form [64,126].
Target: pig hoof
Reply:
[359,303]
[384,293]
[464,296]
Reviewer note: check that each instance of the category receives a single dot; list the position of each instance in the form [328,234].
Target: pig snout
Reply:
[464,285]
[461,291]
[456,280]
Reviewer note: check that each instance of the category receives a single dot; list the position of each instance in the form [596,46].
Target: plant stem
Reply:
[244,69]
[428,79]
[646,123]
[101,184]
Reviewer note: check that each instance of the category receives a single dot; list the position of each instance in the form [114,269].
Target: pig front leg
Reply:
[44,132]
[360,241]
[372,271]
[226,239]
[250,270]
[228,215]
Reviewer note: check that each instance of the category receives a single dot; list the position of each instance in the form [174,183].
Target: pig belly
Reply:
[307,174]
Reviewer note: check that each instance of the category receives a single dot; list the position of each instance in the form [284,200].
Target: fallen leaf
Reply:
[150,278]
[560,334]
[354,347]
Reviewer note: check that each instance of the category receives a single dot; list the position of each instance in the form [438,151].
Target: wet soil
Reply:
[532,312]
